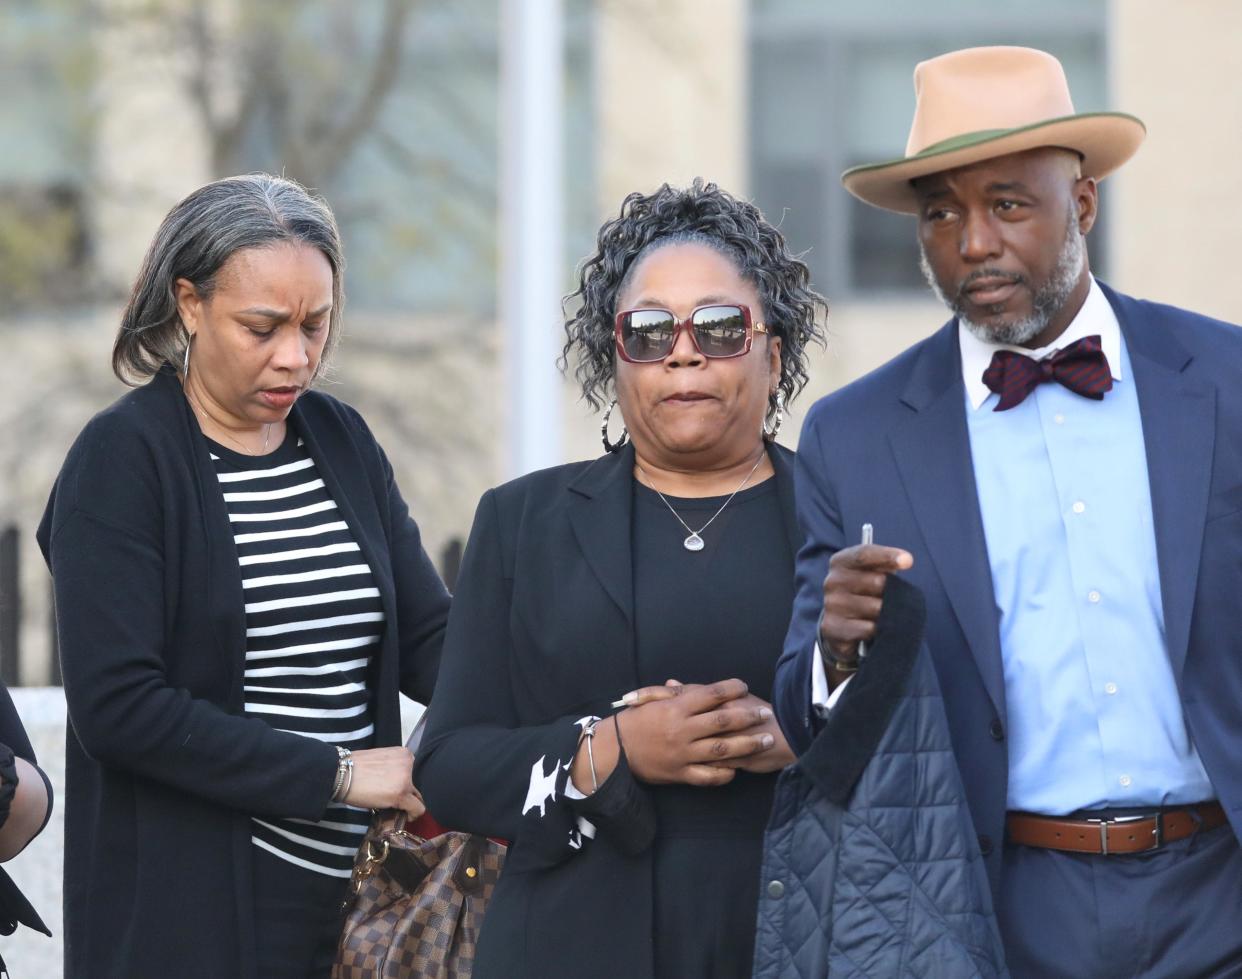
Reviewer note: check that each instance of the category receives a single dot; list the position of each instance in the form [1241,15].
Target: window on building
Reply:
[831,87]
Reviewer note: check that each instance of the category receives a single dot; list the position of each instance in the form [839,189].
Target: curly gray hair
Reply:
[703,214]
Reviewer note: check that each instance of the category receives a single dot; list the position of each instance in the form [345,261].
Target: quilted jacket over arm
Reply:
[871,864]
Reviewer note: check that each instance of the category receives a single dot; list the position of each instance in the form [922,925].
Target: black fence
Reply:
[11,603]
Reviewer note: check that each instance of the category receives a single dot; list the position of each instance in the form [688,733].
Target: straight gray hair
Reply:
[195,240]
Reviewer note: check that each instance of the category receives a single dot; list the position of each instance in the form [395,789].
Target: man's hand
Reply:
[853,597]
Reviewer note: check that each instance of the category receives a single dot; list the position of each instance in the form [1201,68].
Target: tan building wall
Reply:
[671,94]
[149,149]
[1176,230]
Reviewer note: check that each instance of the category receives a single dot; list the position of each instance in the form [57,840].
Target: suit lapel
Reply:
[601,503]
[1179,431]
[932,451]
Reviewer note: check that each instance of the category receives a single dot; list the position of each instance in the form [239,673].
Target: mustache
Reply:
[1011,277]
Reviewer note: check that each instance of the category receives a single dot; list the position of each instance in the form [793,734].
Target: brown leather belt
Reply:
[1121,834]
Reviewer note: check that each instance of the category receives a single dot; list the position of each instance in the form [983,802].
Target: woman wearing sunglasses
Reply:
[603,697]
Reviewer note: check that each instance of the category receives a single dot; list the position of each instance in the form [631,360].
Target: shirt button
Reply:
[1125,780]
[776,889]
[1093,597]
[1059,418]
[1079,506]
[996,729]
[1110,688]
[985,845]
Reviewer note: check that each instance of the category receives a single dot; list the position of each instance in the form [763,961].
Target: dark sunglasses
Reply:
[646,335]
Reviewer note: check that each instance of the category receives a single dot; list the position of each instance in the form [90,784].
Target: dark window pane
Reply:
[789,196]
[884,251]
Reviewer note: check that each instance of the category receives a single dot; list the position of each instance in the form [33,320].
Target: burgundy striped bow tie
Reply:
[1081,367]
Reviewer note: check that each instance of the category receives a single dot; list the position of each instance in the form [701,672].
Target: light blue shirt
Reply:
[1094,718]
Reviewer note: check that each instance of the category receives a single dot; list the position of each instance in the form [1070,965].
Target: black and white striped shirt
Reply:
[313,622]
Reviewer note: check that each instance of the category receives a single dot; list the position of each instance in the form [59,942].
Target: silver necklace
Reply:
[267,430]
[695,541]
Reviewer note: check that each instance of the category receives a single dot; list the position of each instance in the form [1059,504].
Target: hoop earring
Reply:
[771,433]
[603,430]
[185,362]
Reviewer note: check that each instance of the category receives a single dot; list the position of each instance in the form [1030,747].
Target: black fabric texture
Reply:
[847,742]
[621,807]
[699,617]
[8,781]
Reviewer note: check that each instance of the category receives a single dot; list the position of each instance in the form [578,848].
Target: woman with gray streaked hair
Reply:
[240,592]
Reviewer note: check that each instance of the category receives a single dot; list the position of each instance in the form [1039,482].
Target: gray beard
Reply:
[1048,299]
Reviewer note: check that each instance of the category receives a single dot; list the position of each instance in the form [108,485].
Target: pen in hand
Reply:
[868,536]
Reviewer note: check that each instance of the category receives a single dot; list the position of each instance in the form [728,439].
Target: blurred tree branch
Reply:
[262,87]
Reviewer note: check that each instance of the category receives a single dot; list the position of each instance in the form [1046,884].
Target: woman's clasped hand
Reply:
[696,734]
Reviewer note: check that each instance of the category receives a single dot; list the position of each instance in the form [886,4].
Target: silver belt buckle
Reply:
[1158,832]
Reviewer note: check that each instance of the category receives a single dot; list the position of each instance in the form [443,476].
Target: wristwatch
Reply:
[833,663]
[830,660]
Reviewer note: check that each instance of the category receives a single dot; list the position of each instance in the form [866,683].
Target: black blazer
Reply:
[162,771]
[542,634]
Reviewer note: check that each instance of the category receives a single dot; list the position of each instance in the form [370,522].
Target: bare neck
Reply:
[714,480]
[220,425]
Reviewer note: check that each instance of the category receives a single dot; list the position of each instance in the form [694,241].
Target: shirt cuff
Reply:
[821,698]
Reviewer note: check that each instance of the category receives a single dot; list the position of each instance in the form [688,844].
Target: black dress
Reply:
[704,616]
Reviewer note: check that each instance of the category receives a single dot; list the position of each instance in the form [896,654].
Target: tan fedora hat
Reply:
[981,103]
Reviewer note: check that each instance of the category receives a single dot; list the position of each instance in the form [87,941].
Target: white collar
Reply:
[1095,317]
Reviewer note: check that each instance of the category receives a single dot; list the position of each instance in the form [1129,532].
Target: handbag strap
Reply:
[468,875]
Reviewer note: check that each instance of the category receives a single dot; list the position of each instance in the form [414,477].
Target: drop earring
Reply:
[603,430]
[777,419]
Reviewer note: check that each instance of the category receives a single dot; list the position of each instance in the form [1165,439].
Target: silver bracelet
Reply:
[344,774]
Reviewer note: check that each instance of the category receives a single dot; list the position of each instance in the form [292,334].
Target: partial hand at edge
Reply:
[383,779]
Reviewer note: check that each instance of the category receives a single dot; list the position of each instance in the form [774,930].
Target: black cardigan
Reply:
[162,770]
[542,634]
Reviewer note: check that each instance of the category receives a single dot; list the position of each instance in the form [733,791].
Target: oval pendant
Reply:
[693,543]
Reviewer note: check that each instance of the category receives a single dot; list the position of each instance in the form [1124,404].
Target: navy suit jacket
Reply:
[892,449]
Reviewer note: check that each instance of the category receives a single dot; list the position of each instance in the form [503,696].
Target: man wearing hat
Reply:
[1059,469]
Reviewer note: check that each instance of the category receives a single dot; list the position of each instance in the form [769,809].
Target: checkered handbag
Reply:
[417,903]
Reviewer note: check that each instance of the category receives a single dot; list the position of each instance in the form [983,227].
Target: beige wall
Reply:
[1176,207]
[670,95]
[150,150]
[670,105]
